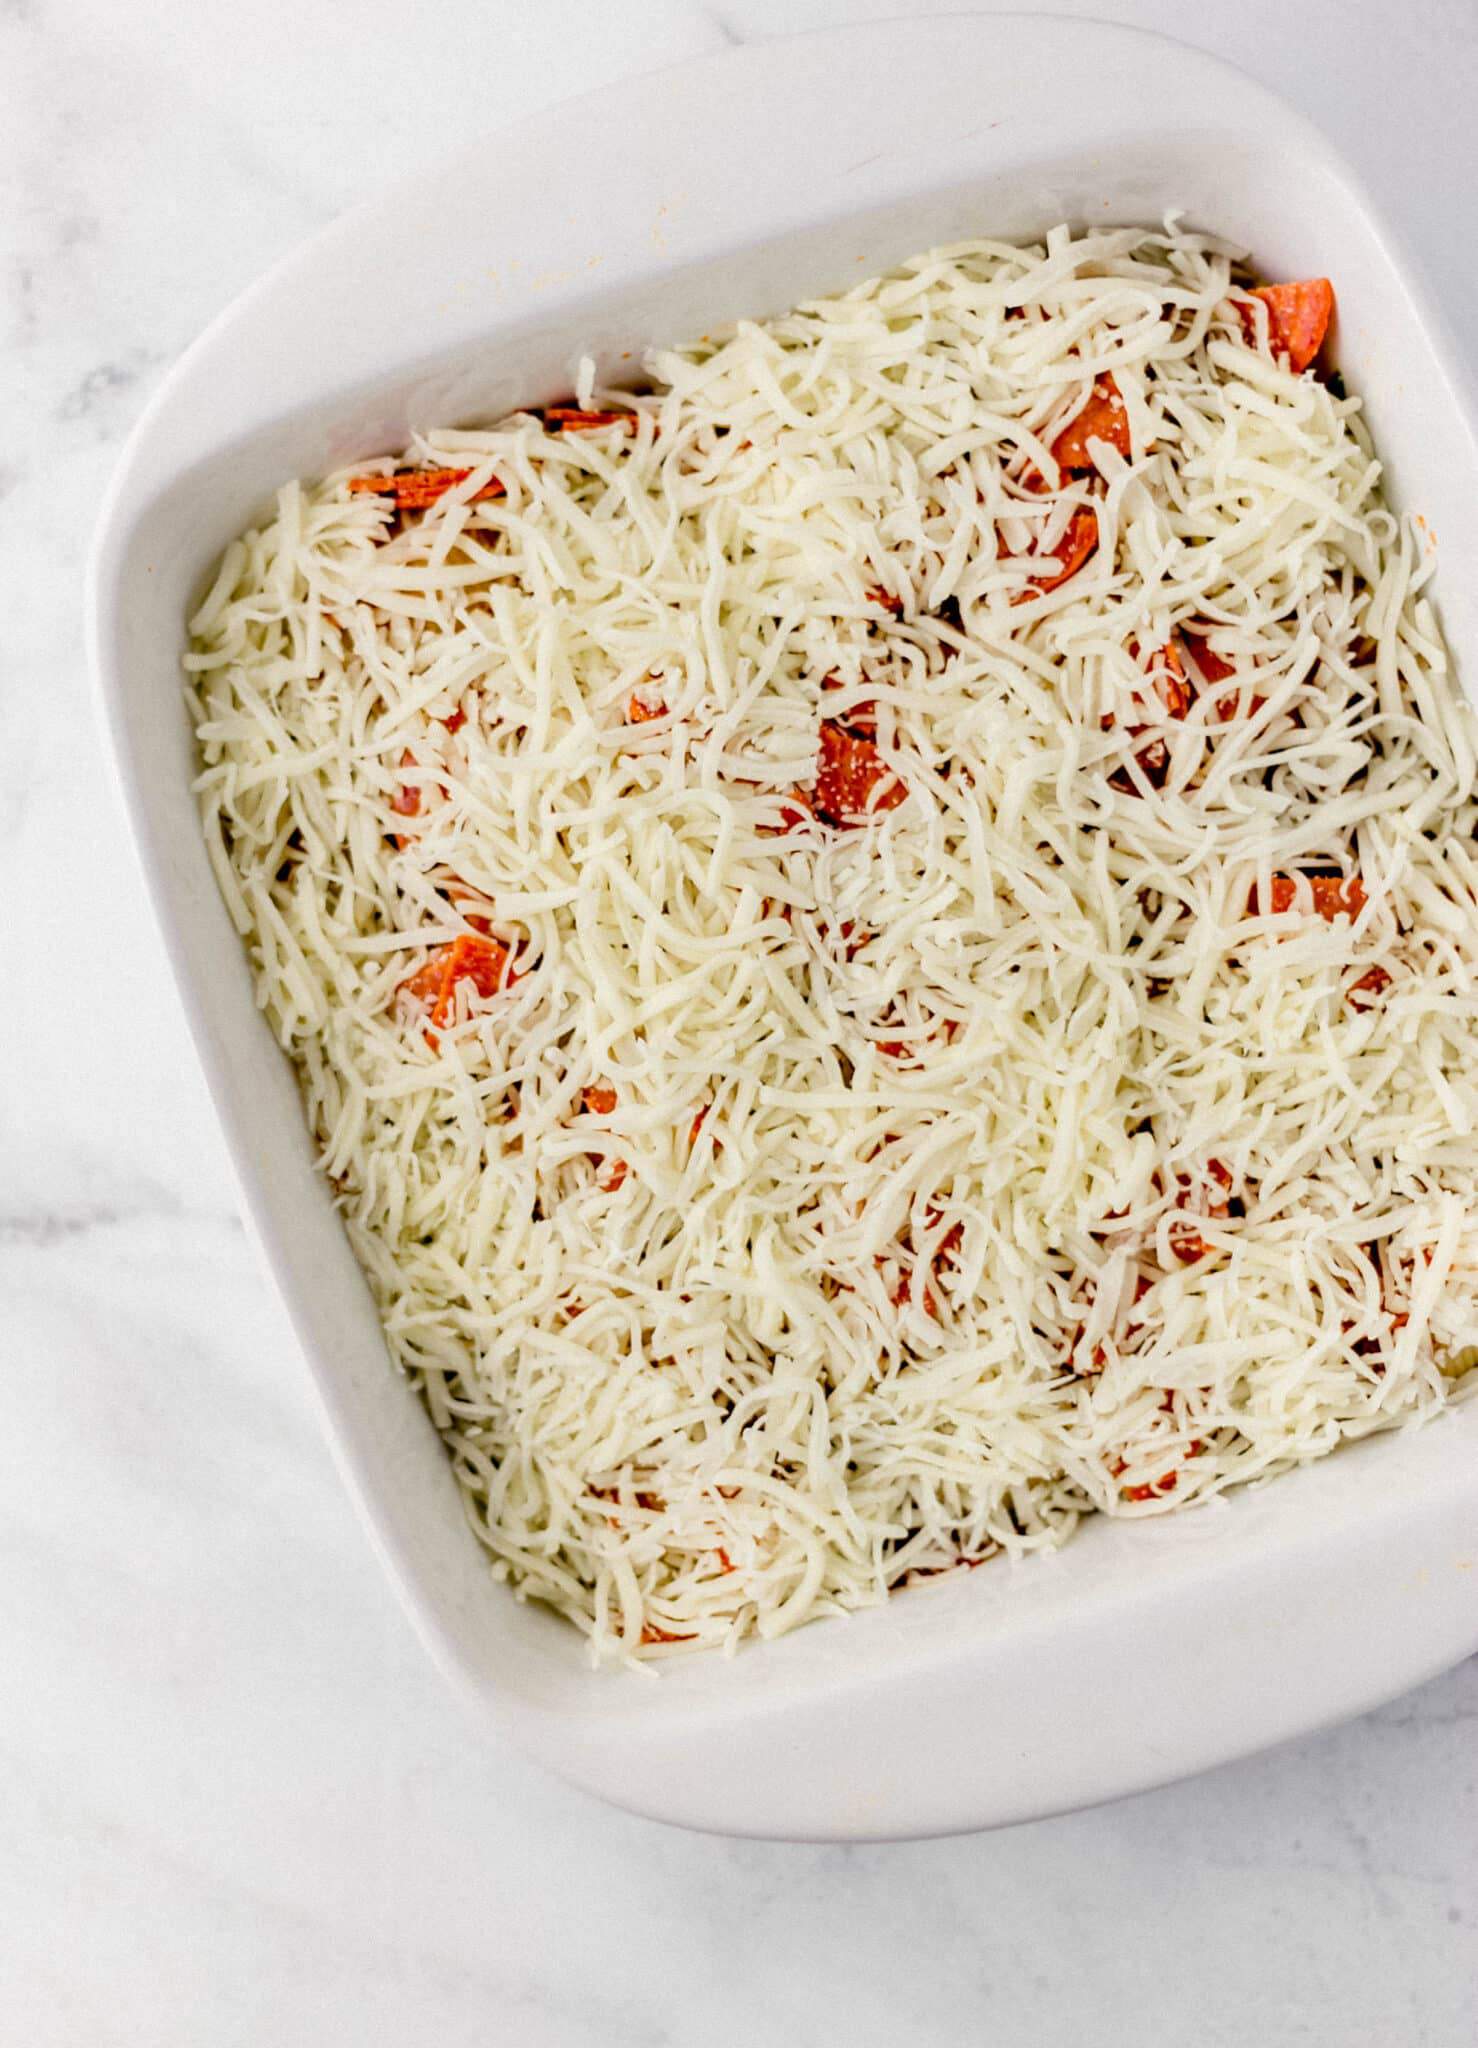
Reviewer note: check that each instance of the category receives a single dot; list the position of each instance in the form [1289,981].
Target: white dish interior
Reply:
[646,213]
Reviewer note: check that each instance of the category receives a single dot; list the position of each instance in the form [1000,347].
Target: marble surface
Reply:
[236,1804]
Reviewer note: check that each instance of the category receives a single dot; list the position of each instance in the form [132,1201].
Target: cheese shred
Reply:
[865,991]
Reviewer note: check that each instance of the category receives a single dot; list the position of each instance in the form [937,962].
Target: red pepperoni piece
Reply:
[1334,896]
[1371,986]
[413,490]
[1171,682]
[574,419]
[406,801]
[425,984]
[853,781]
[1103,418]
[1162,1485]
[1071,552]
[1210,669]
[1176,695]
[1209,665]
[483,963]
[1298,318]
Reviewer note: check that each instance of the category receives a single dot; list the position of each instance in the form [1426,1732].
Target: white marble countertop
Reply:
[236,1803]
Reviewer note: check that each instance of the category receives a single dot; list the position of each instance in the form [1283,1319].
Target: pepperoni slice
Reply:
[1167,1480]
[1298,318]
[794,812]
[945,1252]
[414,489]
[407,798]
[1175,694]
[575,419]
[1166,1484]
[1171,682]
[1213,1200]
[1209,666]
[853,781]
[481,962]
[1104,418]
[1334,896]
[406,802]
[1071,552]
[1187,1244]
[1371,986]
[860,718]
[425,984]
[600,1099]
[474,906]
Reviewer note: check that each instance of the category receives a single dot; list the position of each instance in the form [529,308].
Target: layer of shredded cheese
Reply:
[812,1205]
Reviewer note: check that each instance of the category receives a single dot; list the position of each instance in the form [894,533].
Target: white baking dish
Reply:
[645,213]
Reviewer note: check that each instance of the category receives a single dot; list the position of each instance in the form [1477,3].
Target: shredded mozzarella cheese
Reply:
[793,1203]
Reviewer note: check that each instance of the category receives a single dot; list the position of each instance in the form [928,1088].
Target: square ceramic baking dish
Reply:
[647,213]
